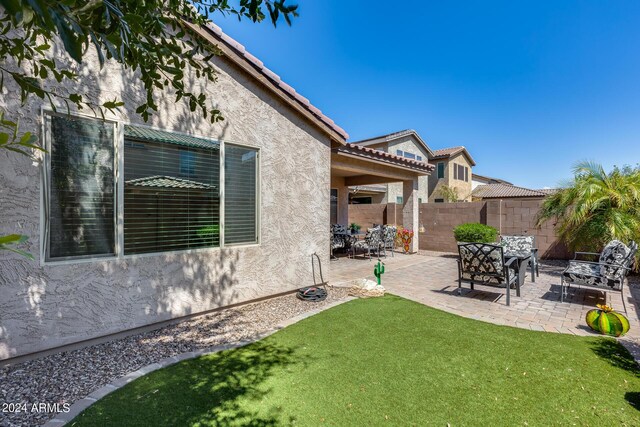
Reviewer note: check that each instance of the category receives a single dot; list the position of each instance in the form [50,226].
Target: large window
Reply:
[171,191]
[79,215]
[168,186]
[461,172]
[240,185]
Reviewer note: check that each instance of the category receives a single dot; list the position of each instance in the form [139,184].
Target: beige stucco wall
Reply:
[464,188]
[337,182]
[407,143]
[43,306]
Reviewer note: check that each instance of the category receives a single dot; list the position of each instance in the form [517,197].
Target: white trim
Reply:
[119,176]
[258,209]
[222,194]
[45,213]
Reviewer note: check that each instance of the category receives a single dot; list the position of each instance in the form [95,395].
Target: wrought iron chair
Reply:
[373,241]
[484,264]
[389,236]
[521,245]
[337,238]
[607,274]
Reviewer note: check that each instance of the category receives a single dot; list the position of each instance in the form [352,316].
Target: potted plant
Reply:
[355,228]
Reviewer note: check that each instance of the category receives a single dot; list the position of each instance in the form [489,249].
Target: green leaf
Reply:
[13,239]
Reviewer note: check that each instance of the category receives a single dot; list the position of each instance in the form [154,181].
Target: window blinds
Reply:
[80,212]
[171,191]
[240,185]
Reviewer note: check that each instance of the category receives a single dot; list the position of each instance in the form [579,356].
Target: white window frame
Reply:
[45,182]
[45,192]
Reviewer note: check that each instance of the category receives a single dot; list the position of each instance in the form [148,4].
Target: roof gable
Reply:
[237,53]
[446,153]
[393,137]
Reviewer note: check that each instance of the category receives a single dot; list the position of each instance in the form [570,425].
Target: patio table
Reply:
[523,260]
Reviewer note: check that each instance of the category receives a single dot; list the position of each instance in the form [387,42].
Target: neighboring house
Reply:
[453,169]
[478,180]
[508,192]
[135,223]
[407,144]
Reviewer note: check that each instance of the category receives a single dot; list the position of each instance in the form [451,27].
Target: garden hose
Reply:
[312,293]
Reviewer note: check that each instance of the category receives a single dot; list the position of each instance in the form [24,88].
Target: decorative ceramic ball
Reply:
[607,322]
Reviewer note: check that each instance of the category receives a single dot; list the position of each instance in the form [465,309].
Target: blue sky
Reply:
[529,87]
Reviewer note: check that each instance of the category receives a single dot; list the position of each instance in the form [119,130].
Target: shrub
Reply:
[475,232]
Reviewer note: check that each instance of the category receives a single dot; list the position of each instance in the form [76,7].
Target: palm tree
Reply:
[596,207]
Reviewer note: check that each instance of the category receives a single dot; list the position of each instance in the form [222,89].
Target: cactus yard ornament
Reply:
[378,271]
[406,236]
[607,322]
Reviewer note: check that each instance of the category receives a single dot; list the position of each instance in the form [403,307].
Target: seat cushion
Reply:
[517,244]
[615,254]
[489,261]
[583,273]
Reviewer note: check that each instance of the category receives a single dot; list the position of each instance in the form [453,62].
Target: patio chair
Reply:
[484,264]
[522,245]
[607,274]
[337,238]
[373,241]
[389,236]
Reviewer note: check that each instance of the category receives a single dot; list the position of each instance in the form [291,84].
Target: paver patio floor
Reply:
[432,280]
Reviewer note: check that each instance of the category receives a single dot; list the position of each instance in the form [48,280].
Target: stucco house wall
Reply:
[464,188]
[407,143]
[47,305]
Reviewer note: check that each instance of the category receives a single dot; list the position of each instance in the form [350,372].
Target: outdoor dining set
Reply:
[504,265]
[377,239]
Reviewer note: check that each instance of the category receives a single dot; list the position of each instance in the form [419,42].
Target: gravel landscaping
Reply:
[69,376]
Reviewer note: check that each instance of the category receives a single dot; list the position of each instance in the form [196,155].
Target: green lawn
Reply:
[388,361]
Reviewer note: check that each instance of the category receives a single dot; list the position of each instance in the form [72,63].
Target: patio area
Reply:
[431,279]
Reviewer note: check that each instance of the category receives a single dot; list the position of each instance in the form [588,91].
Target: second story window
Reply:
[461,173]
[440,170]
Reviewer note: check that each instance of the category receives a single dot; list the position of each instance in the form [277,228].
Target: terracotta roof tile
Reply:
[452,151]
[399,160]
[504,191]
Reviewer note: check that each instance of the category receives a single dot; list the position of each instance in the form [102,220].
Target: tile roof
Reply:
[259,66]
[371,153]
[504,191]
[154,135]
[159,181]
[452,151]
[490,180]
[393,136]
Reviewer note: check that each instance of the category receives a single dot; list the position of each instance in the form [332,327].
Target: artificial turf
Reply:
[388,361]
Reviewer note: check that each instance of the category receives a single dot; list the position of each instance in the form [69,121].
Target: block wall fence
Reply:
[509,217]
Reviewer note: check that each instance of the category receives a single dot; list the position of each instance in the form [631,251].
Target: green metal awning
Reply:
[153,135]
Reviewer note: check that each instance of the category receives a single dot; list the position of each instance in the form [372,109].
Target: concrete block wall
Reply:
[438,219]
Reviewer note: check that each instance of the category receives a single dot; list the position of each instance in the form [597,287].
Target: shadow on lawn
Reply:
[617,355]
[223,386]
[614,353]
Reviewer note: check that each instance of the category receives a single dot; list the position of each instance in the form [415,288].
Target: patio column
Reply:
[410,211]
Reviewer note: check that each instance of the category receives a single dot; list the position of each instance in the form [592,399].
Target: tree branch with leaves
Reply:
[149,37]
